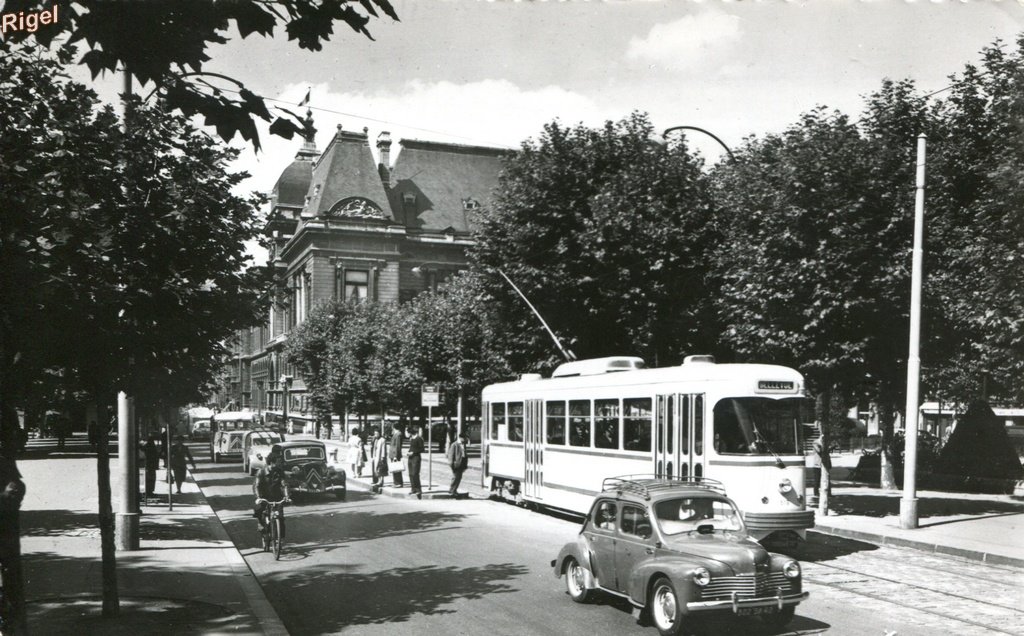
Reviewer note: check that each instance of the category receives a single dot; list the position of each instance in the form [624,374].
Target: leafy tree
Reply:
[173,58]
[815,263]
[122,255]
[609,236]
[309,347]
[975,273]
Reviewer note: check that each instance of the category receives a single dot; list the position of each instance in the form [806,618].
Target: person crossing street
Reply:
[458,460]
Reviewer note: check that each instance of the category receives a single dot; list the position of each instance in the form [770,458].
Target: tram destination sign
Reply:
[776,386]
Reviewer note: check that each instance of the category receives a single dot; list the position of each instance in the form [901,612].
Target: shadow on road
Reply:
[826,547]
[395,595]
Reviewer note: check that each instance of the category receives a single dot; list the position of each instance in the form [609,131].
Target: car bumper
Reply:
[735,604]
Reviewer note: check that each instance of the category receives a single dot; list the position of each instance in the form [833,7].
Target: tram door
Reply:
[691,435]
[666,449]
[533,447]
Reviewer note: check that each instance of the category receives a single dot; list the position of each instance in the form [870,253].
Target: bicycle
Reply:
[270,533]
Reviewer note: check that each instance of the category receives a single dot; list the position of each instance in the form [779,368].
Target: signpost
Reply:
[430,396]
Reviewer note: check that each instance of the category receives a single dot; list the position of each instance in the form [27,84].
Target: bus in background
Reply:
[553,441]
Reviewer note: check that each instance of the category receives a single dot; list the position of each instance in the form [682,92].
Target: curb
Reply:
[925,546]
[264,612]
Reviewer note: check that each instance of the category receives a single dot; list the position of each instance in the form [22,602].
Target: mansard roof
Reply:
[346,181]
[435,186]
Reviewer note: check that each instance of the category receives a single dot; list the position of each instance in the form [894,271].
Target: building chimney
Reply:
[384,150]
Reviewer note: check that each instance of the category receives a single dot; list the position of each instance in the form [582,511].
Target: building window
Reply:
[357,285]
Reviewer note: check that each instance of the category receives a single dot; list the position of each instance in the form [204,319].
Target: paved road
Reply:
[377,565]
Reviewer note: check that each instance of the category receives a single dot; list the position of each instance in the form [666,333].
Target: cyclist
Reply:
[268,486]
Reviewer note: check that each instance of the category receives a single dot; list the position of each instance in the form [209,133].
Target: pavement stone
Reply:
[186,578]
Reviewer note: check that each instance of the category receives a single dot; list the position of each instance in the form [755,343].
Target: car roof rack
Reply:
[646,485]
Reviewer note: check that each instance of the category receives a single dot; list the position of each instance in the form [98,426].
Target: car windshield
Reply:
[758,426]
[686,514]
[304,452]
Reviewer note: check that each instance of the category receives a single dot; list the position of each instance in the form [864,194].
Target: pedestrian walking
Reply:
[180,455]
[458,460]
[378,459]
[151,455]
[414,454]
[355,453]
[395,454]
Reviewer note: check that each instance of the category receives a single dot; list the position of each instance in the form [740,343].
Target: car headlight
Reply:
[701,577]
[297,470]
[785,486]
[791,569]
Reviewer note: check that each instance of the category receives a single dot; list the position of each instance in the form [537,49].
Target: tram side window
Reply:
[555,422]
[606,423]
[579,423]
[636,424]
[515,421]
[497,418]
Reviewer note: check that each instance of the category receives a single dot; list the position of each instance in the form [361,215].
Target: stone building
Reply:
[346,226]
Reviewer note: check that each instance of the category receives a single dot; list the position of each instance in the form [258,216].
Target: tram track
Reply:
[846,587]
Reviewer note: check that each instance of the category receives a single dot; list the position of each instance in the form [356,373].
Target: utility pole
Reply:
[908,504]
[127,518]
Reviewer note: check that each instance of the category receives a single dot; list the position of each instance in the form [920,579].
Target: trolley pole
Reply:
[908,504]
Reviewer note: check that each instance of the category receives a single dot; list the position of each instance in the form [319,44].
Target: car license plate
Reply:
[754,611]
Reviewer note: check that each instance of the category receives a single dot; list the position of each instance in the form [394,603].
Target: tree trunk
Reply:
[111,603]
[13,616]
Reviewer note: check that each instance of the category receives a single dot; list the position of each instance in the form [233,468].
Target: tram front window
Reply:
[757,426]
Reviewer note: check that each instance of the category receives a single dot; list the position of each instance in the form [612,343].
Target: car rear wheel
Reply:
[575,581]
[779,619]
[665,610]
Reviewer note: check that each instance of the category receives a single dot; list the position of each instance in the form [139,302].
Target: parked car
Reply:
[677,548]
[307,471]
[255,448]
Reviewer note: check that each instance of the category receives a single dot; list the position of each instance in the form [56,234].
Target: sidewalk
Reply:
[186,578]
[435,477]
[987,528]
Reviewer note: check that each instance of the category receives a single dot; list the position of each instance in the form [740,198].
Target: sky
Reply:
[493,73]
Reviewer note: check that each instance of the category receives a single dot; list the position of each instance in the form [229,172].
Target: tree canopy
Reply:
[123,260]
[609,236]
[173,54]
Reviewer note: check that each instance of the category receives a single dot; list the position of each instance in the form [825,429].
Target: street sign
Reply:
[430,395]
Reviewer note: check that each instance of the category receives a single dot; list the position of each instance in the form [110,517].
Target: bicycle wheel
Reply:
[277,536]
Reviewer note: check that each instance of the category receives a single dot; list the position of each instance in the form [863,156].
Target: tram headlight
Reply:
[701,577]
[785,486]
[791,569]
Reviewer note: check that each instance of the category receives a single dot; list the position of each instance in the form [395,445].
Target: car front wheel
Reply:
[575,582]
[664,608]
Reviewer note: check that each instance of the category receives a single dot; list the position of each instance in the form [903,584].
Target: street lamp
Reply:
[664,136]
